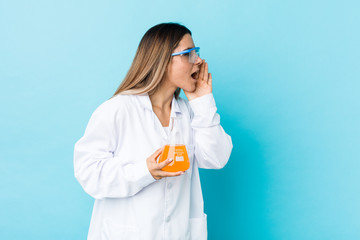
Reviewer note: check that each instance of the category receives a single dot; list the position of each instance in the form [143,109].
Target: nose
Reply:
[198,61]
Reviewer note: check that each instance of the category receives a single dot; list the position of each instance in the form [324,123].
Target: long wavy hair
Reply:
[147,71]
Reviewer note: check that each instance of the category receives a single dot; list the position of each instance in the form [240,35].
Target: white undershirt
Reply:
[167,130]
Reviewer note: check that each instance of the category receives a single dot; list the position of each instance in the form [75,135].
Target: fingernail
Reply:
[170,159]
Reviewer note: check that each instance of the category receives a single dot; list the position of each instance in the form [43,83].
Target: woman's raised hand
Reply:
[155,168]
[203,84]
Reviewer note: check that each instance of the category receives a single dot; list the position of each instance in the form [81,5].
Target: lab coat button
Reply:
[169,185]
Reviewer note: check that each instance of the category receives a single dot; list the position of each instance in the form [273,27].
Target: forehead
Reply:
[185,43]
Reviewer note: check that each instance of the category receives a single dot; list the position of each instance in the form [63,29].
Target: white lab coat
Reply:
[110,164]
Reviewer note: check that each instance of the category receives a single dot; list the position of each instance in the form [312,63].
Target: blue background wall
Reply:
[286,81]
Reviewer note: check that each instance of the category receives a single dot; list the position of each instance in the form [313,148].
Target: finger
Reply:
[202,70]
[170,174]
[210,79]
[165,163]
[157,153]
[206,72]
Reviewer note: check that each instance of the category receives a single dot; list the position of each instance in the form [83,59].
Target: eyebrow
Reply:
[187,49]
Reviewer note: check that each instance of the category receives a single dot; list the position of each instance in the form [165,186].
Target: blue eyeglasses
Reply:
[192,54]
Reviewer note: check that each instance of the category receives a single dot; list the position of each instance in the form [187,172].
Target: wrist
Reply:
[195,96]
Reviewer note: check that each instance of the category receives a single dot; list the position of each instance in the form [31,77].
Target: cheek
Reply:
[179,73]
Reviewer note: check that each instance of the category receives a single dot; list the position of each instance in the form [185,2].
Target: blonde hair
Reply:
[152,57]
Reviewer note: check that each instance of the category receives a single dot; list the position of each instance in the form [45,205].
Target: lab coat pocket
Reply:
[112,230]
[198,228]
[191,154]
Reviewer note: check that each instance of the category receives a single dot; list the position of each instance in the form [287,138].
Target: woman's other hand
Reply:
[155,168]
[203,84]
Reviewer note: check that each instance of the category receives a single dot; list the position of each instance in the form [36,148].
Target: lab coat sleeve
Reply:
[212,145]
[100,173]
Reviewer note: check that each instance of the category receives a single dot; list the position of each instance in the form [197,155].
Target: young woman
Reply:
[116,159]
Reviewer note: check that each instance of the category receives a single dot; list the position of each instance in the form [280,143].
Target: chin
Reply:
[189,89]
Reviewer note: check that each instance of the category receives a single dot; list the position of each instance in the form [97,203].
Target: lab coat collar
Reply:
[146,103]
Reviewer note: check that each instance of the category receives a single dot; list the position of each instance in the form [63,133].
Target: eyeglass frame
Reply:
[187,51]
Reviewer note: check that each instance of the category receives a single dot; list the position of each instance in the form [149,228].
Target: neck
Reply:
[161,99]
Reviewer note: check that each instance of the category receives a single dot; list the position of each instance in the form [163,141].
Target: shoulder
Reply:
[184,105]
[113,106]
[182,102]
[117,102]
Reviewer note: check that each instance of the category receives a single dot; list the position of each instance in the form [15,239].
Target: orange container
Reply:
[179,154]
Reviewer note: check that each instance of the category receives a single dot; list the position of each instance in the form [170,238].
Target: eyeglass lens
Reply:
[194,54]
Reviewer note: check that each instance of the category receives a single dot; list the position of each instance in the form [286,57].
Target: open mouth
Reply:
[195,75]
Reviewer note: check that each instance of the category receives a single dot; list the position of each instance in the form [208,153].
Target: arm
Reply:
[212,145]
[100,173]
